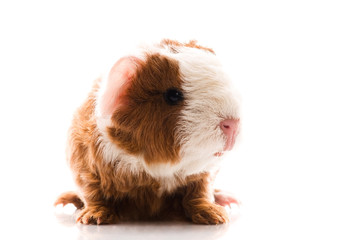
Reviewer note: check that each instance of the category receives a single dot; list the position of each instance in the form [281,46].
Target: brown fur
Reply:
[192,44]
[146,124]
[109,194]
[70,197]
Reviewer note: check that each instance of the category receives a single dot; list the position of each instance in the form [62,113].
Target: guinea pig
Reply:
[147,142]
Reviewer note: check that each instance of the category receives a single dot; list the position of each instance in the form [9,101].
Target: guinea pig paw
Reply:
[225,198]
[96,215]
[210,214]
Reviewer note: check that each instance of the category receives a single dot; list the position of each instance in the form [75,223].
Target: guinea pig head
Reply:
[172,107]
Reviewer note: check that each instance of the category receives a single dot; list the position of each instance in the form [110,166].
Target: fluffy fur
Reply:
[135,157]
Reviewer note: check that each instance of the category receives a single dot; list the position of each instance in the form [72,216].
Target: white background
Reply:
[297,65]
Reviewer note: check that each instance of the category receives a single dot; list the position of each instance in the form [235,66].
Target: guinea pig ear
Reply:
[112,93]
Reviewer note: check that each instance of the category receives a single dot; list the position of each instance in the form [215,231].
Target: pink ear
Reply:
[119,79]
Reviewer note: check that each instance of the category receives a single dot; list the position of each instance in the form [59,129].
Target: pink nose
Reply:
[230,128]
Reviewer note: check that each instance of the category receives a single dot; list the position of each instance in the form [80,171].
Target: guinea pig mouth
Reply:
[218,154]
[228,146]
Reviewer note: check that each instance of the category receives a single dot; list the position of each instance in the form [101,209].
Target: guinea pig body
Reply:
[147,142]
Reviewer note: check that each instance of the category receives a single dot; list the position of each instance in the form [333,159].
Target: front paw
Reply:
[209,213]
[96,215]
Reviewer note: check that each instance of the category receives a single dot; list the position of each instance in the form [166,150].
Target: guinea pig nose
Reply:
[230,129]
[229,126]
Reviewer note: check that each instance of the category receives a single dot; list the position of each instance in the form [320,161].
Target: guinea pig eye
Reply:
[173,96]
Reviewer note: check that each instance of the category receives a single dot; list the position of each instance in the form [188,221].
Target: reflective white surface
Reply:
[59,223]
[143,230]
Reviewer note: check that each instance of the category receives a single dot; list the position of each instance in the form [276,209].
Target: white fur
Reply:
[99,100]
[209,99]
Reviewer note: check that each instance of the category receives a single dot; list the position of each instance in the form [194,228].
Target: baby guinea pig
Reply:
[147,142]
